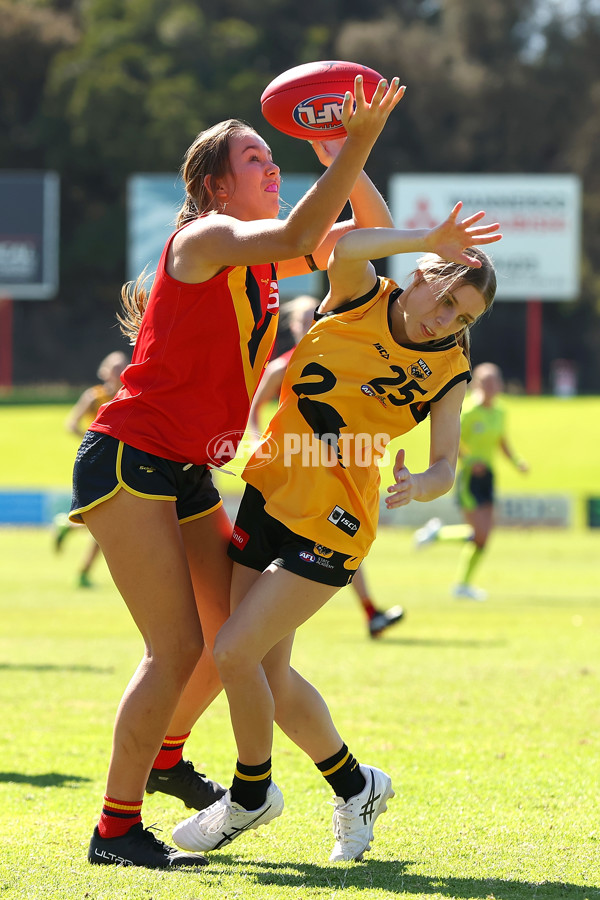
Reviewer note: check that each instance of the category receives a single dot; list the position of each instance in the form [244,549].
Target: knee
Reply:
[224,656]
[231,659]
[179,655]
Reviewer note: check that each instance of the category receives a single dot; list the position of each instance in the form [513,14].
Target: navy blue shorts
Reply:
[475,489]
[259,540]
[104,465]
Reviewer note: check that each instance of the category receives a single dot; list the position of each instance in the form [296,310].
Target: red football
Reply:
[306,101]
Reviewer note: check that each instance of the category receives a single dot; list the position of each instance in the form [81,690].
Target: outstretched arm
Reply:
[352,275]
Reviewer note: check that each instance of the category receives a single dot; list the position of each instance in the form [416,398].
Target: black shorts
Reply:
[475,490]
[104,465]
[259,540]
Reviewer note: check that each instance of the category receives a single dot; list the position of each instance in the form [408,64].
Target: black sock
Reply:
[343,773]
[250,784]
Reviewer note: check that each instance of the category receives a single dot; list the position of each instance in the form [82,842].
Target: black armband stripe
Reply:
[464,376]
[351,304]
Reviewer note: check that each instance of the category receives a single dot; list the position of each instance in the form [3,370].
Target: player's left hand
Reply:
[405,486]
[451,239]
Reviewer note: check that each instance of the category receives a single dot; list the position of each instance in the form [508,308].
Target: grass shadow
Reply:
[53,667]
[438,642]
[47,779]
[393,878]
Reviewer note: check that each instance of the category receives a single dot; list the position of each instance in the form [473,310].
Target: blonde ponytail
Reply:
[134,298]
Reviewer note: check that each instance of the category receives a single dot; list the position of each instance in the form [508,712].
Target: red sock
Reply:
[171,751]
[368,607]
[118,816]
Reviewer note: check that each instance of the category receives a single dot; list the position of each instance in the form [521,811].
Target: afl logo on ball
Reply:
[320,113]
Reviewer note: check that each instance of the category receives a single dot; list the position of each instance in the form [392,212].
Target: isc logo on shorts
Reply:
[239,537]
[343,520]
[306,556]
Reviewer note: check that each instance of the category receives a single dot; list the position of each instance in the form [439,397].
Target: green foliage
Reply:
[30,39]
[486,715]
[106,88]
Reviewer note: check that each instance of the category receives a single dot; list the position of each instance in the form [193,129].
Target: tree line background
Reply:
[97,90]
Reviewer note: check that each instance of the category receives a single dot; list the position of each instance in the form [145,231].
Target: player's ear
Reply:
[214,188]
[418,277]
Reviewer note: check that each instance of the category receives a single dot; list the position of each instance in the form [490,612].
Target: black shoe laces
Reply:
[188,774]
[156,842]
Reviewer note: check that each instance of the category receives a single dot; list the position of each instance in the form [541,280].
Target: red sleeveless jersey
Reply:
[199,355]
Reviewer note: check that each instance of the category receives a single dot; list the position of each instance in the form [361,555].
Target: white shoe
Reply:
[353,820]
[427,533]
[218,825]
[468,592]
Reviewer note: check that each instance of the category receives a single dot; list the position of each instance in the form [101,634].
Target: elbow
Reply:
[448,477]
[345,248]
[296,240]
[302,240]
[296,246]
[306,244]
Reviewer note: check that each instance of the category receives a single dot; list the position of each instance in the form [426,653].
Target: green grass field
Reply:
[486,715]
[559,438]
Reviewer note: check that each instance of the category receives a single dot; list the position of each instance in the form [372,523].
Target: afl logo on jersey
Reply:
[323,112]
[371,392]
[419,370]
[306,556]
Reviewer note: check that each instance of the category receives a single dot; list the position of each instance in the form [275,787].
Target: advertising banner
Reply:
[29,235]
[539,216]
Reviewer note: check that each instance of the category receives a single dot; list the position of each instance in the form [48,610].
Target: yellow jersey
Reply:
[98,397]
[348,390]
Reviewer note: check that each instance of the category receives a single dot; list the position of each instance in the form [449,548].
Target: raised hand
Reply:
[451,239]
[366,120]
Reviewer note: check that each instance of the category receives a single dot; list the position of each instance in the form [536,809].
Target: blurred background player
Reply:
[483,433]
[298,317]
[79,418]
